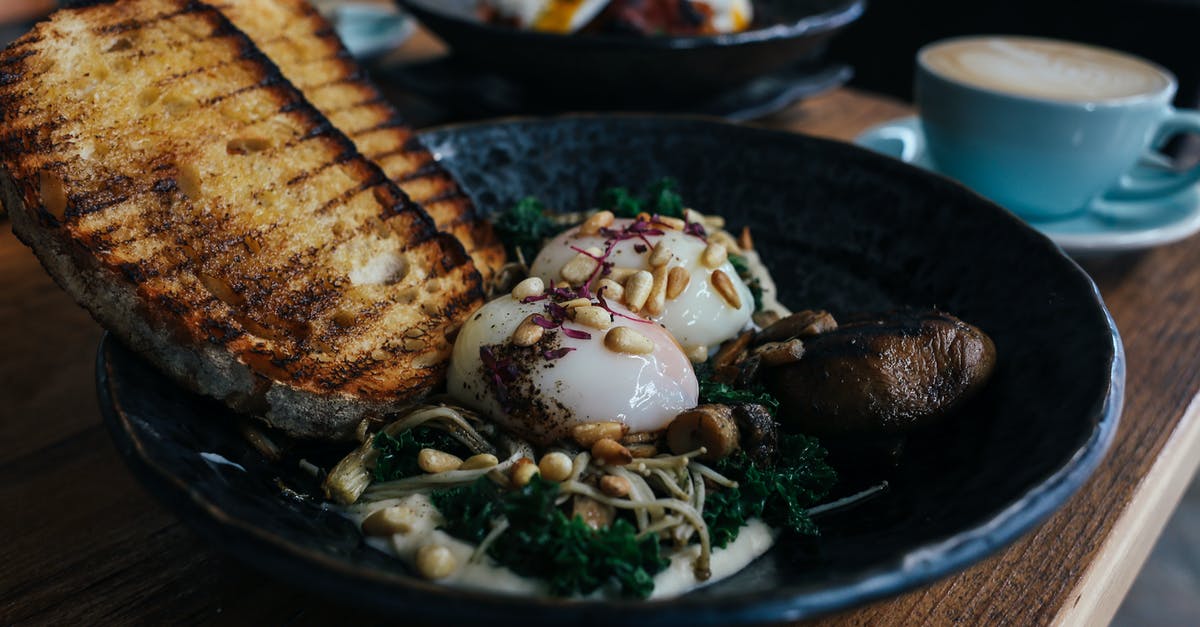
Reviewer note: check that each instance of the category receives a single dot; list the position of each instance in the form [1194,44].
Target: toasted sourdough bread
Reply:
[174,183]
[310,55]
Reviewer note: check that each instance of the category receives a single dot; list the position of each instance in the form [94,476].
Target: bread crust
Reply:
[176,185]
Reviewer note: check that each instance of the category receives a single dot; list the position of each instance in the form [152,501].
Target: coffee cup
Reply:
[1050,128]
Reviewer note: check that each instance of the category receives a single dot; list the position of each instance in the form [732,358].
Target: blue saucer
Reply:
[1085,233]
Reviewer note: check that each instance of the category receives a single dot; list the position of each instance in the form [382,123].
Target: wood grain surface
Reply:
[85,544]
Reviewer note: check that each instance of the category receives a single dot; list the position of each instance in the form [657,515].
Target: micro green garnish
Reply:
[661,198]
[779,495]
[524,226]
[742,267]
[398,454]
[542,542]
[725,394]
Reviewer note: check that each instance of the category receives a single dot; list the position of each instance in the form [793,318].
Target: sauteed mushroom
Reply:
[884,376]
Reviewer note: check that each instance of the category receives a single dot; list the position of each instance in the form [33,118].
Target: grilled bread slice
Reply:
[306,48]
[183,191]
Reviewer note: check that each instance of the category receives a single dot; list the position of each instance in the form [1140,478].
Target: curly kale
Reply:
[398,454]
[742,267]
[661,198]
[726,394]
[542,542]
[779,495]
[524,226]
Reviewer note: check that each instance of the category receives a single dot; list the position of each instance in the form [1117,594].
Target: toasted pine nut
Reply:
[577,302]
[725,239]
[697,354]
[626,340]
[435,561]
[642,217]
[674,224]
[744,240]
[595,222]
[589,433]
[528,332]
[641,451]
[637,290]
[658,292]
[714,255]
[661,255]
[522,472]
[691,215]
[615,486]
[592,316]
[388,521]
[677,281]
[724,287]
[579,269]
[610,290]
[611,452]
[555,466]
[477,462]
[533,286]
[432,460]
[621,273]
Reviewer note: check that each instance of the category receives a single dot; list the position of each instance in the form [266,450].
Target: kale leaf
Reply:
[725,394]
[779,495]
[398,454]
[542,542]
[742,267]
[524,226]
[661,198]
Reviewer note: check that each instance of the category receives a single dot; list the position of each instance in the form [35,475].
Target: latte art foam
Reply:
[1043,69]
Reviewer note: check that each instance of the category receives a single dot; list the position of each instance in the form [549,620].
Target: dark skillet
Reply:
[612,71]
[842,229]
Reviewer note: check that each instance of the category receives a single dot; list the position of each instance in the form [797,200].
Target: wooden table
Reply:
[83,543]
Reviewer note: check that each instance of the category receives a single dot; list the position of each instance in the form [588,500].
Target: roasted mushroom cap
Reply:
[882,377]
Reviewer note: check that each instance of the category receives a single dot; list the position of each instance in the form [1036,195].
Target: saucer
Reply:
[369,29]
[1170,220]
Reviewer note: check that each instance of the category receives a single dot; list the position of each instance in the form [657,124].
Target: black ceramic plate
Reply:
[842,229]
[615,72]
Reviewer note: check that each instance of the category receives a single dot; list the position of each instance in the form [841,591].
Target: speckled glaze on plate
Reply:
[639,73]
[841,228]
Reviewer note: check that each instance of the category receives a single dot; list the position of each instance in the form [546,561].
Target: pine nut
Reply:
[674,224]
[432,460]
[697,354]
[528,332]
[610,290]
[621,273]
[714,255]
[522,472]
[626,340]
[576,302]
[387,521]
[480,461]
[658,292]
[614,486]
[725,239]
[611,452]
[592,316]
[677,281]
[745,241]
[595,222]
[642,451]
[555,466]
[579,269]
[589,433]
[637,290]
[533,286]
[724,287]
[661,255]
[435,561]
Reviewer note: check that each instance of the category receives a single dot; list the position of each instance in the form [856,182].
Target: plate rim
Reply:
[919,566]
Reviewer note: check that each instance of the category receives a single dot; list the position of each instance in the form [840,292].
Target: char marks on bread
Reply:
[310,55]
[184,192]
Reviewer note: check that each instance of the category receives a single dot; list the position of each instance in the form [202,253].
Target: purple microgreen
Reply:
[640,248]
[696,229]
[581,251]
[544,323]
[577,334]
[557,312]
[535,298]
[557,353]
[604,304]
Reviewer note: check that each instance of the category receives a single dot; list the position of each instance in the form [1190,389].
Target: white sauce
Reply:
[678,578]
